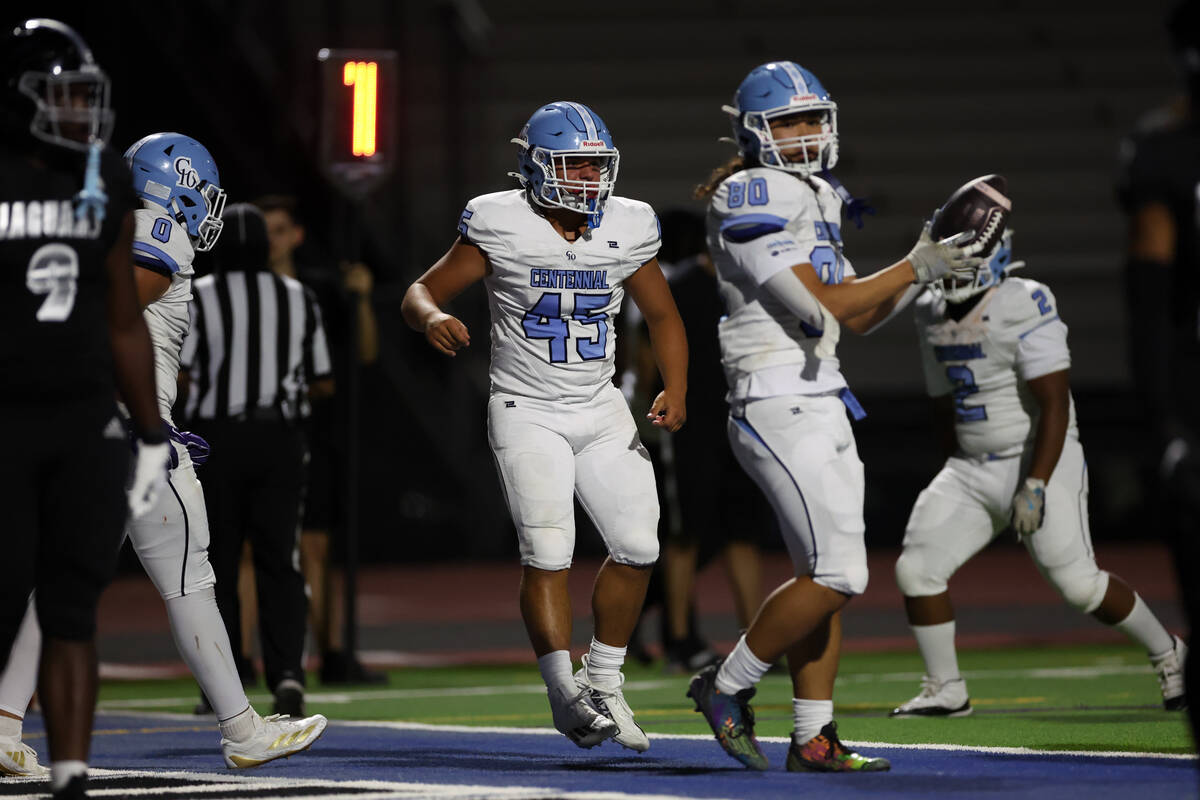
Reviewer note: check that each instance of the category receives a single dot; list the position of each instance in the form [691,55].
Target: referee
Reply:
[255,355]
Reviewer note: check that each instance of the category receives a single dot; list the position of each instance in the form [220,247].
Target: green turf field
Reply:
[1063,698]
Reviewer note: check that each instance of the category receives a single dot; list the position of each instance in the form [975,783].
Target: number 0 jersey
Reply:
[554,303]
[986,359]
[54,340]
[161,244]
[760,222]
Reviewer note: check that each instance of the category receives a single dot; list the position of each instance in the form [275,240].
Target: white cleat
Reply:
[19,759]
[1170,676]
[274,737]
[610,701]
[937,699]
[575,718]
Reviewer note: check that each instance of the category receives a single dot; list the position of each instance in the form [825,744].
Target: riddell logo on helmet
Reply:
[592,143]
[803,98]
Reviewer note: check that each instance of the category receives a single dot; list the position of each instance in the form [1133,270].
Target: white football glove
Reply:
[149,476]
[932,260]
[1029,507]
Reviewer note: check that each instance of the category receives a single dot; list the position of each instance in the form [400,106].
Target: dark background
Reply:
[930,95]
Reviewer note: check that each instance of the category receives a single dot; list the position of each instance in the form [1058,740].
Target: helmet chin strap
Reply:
[92,196]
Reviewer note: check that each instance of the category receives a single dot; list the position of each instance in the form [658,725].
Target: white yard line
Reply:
[1043,673]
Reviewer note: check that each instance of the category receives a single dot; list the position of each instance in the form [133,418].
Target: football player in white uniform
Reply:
[995,354]
[178,182]
[774,232]
[557,257]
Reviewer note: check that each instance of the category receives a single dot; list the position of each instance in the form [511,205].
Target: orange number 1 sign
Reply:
[363,76]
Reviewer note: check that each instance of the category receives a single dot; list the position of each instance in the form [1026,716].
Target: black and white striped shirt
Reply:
[256,342]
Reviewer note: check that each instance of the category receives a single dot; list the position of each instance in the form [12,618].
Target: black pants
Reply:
[1183,506]
[62,491]
[253,488]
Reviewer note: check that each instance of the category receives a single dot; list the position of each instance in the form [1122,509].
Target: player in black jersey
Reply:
[1159,190]
[71,336]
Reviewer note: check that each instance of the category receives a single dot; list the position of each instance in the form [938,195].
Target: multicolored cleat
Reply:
[826,753]
[729,716]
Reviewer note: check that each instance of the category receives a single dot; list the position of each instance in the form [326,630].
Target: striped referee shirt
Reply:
[256,342]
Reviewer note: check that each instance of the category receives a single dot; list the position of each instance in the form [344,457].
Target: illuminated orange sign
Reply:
[364,77]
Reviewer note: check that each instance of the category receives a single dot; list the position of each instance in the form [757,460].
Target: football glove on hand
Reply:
[1029,507]
[933,260]
[149,476]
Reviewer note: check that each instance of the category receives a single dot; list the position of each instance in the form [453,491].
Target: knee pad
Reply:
[637,549]
[855,579]
[1081,583]
[919,576]
[550,549]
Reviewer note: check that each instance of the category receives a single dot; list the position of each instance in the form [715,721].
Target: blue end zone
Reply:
[446,760]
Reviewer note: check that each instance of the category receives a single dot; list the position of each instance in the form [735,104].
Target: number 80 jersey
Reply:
[554,303]
[760,222]
[1011,336]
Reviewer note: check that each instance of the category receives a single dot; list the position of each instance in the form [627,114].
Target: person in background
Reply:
[711,507]
[345,299]
[1159,192]
[255,355]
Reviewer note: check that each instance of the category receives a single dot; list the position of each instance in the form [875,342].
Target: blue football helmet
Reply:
[177,172]
[555,133]
[987,274]
[780,89]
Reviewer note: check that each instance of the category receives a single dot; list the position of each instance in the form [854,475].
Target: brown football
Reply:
[980,206]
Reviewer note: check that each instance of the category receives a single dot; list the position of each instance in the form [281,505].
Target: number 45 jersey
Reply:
[554,303]
[1012,336]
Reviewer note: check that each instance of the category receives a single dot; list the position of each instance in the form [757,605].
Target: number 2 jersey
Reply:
[54,339]
[554,303]
[1012,335]
[161,244]
[760,222]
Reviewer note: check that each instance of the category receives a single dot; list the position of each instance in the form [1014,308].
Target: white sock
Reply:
[203,642]
[20,676]
[61,773]
[556,671]
[604,663]
[241,727]
[741,670]
[936,643]
[808,717]
[1144,628]
[10,727]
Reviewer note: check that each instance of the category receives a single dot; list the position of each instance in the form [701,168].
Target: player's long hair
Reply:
[736,164]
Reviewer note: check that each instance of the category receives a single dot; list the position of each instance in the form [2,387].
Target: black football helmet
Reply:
[51,86]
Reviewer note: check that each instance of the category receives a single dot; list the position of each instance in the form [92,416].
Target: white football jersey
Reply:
[1011,336]
[161,244]
[554,303]
[762,221]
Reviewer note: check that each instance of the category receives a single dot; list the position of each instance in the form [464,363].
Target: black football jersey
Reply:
[54,341]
